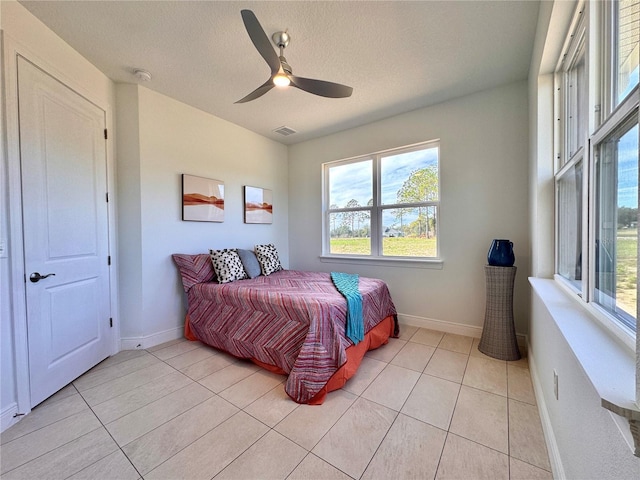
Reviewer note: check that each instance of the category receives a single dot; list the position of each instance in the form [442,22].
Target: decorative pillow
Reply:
[268,257]
[250,263]
[194,269]
[227,265]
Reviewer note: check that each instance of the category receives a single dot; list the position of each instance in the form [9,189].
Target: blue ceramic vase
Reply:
[501,253]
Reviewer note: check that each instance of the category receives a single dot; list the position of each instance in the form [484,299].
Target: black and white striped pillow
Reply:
[227,265]
[268,257]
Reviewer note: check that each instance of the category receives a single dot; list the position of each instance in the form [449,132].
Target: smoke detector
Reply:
[142,75]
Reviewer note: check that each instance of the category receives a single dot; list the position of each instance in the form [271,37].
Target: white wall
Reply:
[160,139]
[26,35]
[484,148]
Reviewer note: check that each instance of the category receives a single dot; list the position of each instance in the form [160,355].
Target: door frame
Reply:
[11,49]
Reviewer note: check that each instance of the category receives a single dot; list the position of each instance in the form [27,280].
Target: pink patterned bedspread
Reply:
[290,319]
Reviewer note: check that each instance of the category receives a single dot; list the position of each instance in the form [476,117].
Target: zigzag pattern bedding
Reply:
[290,319]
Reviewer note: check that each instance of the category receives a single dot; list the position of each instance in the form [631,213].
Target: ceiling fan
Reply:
[280,70]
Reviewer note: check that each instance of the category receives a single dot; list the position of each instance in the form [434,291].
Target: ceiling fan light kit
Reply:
[281,73]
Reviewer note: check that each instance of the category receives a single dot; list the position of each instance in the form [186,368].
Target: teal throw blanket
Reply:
[347,285]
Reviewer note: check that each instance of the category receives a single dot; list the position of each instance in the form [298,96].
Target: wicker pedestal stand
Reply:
[499,334]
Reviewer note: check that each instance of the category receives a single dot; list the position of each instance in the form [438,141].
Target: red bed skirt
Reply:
[376,337]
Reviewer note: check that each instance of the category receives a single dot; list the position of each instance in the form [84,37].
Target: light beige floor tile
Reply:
[313,467]
[526,439]
[456,343]
[114,466]
[411,449]
[175,350]
[520,386]
[137,423]
[120,357]
[31,446]
[432,401]
[94,378]
[212,364]
[192,356]
[229,375]
[211,453]
[407,331]
[136,398]
[45,414]
[464,459]
[522,363]
[414,356]
[487,375]
[339,447]
[118,386]
[523,471]
[67,459]
[307,424]
[481,417]
[272,407]
[167,344]
[427,337]
[392,387]
[153,448]
[448,365]
[368,370]
[385,353]
[251,388]
[273,456]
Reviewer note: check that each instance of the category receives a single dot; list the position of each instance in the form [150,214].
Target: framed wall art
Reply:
[202,199]
[258,205]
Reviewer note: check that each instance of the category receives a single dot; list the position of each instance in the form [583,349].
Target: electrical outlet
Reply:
[555,383]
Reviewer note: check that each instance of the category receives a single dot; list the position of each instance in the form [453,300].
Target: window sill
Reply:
[597,350]
[435,264]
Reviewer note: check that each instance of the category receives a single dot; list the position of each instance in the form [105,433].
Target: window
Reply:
[597,160]
[384,204]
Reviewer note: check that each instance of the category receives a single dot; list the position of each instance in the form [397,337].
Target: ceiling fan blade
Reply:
[258,92]
[320,87]
[260,40]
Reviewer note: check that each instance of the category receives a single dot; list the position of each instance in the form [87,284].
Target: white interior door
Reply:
[64,186]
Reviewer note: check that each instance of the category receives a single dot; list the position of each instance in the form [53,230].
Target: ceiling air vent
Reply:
[286,131]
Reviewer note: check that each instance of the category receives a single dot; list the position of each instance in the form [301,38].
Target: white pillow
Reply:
[227,265]
[268,257]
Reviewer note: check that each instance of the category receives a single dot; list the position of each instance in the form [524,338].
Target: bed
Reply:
[290,322]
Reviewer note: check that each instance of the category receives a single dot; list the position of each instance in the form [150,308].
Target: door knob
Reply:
[35,277]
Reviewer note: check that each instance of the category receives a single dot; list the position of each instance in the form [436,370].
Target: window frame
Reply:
[376,210]
[596,28]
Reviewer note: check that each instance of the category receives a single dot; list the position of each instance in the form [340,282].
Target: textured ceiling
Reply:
[397,56]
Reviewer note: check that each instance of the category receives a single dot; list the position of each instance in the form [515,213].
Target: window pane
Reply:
[617,224]
[409,177]
[570,225]
[577,103]
[350,232]
[350,185]
[409,232]
[627,39]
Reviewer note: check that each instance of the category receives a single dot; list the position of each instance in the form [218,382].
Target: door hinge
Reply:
[107,196]
[109,260]
[111,322]
[105,134]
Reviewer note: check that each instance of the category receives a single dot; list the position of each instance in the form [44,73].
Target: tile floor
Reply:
[427,405]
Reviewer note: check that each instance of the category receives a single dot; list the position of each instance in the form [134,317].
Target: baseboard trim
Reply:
[449,327]
[550,438]
[7,417]
[440,325]
[137,343]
